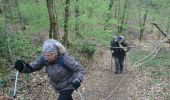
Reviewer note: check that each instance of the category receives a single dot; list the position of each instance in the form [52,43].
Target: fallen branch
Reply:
[125,47]
[139,63]
[162,32]
[154,53]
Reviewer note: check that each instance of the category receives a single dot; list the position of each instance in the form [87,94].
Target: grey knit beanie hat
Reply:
[50,47]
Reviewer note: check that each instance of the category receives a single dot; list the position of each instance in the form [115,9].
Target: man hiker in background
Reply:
[118,49]
[64,72]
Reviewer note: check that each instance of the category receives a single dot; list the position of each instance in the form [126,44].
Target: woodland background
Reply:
[85,27]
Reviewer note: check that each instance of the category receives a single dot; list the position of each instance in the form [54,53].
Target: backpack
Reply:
[60,61]
[112,42]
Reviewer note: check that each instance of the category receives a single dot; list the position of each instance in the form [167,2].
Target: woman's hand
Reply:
[19,65]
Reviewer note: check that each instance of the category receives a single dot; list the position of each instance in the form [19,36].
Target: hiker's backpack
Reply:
[59,60]
[112,42]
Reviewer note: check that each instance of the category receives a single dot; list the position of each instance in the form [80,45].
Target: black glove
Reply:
[19,65]
[76,84]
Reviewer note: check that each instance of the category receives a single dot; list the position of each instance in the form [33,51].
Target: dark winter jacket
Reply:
[60,76]
[118,52]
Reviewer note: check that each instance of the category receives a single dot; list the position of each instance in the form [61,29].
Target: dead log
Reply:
[162,32]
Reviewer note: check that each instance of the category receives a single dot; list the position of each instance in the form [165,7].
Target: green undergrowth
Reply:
[157,70]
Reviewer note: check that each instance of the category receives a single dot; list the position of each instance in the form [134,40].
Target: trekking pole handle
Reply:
[15,86]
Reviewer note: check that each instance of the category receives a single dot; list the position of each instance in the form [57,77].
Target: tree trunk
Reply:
[142,25]
[108,14]
[1,9]
[120,27]
[77,14]
[23,27]
[152,27]
[116,10]
[118,15]
[168,24]
[56,27]
[37,2]
[66,17]
[53,32]
[5,31]
[6,6]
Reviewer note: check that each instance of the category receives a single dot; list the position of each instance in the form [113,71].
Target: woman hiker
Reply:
[65,73]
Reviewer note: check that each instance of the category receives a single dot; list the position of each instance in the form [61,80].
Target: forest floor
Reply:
[100,83]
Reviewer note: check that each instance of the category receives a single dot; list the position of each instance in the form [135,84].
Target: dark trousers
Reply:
[65,95]
[119,63]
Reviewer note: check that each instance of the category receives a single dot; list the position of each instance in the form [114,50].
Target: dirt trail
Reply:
[100,81]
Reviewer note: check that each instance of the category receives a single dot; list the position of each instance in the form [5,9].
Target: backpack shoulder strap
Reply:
[61,63]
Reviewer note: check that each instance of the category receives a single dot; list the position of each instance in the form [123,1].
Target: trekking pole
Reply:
[126,63]
[111,63]
[15,87]
[80,94]
[111,60]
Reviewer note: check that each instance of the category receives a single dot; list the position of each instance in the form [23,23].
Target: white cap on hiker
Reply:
[120,39]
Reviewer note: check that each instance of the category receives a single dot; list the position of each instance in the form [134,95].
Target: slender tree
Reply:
[6,5]
[5,29]
[54,31]
[142,22]
[122,19]
[16,3]
[77,14]
[37,2]
[66,17]
[108,14]
[168,24]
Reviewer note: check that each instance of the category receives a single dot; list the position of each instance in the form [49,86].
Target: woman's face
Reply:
[50,57]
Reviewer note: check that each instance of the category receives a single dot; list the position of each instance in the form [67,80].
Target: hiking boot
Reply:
[121,71]
[116,72]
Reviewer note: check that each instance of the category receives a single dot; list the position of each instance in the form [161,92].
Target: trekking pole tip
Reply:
[14,96]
